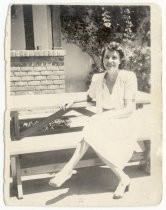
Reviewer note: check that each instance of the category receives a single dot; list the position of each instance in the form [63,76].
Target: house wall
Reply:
[77,67]
[17,30]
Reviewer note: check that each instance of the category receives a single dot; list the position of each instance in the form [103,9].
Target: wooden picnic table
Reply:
[45,109]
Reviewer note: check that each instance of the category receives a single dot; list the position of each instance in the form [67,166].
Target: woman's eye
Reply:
[107,57]
[114,58]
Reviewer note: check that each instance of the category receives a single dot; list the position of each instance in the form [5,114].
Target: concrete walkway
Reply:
[92,186]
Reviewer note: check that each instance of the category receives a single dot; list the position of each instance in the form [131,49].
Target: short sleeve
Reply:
[131,86]
[92,88]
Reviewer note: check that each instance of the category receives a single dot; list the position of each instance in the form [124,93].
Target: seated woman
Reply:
[111,133]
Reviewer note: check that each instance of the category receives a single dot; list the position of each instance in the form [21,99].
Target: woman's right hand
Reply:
[66,104]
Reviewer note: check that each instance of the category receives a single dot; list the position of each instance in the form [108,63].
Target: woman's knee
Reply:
[94,121]
[84,144]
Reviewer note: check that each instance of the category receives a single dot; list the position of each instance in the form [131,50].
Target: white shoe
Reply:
[121,189]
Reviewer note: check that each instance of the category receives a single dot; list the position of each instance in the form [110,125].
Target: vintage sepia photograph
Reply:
[83,114]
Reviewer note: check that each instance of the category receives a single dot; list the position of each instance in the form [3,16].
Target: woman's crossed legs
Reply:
[67,171]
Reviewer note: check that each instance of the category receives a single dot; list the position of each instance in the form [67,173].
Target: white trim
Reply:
[37,53]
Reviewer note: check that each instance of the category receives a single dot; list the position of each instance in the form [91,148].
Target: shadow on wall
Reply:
[77,67]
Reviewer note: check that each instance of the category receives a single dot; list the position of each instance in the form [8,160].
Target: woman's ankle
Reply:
[66,171]
[124,179]
[60,178]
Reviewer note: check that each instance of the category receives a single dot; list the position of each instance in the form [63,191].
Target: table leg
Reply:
[19,183]
[145,164]
[147,157]
[13,173]
[16,174]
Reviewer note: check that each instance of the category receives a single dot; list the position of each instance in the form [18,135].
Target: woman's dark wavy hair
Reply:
[114,46]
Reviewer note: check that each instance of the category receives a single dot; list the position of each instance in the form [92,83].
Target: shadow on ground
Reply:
[92,180]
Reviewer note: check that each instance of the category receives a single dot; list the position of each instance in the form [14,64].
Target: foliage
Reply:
[91,27]
[138,60]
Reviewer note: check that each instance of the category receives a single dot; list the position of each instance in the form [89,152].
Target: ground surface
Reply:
[92,186]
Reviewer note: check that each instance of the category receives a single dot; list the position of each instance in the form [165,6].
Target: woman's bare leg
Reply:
[67,171]
[78,154]
[124,180]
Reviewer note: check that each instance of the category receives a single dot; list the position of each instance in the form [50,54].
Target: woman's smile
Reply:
[111,60]
[111,64]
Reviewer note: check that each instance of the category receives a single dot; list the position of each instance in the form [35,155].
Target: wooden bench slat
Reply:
[45,143]
[58,166]
[81,164]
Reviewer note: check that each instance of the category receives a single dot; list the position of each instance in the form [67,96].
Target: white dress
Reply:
[113,139]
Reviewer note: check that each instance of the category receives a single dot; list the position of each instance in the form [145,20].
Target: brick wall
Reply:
[37,72]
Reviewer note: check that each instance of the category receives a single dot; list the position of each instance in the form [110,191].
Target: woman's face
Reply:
[111,60]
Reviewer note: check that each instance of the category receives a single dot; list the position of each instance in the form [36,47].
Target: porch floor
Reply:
[93,186]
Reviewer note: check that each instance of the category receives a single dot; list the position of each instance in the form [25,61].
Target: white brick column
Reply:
[37,72]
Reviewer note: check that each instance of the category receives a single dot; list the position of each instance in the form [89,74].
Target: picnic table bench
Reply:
[43,108]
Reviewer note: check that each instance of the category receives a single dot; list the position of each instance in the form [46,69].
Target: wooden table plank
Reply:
[29,102]
[43,123]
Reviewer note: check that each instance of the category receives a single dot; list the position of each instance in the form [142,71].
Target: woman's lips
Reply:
[111,65]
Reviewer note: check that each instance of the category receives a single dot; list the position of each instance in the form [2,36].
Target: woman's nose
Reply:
[110,60]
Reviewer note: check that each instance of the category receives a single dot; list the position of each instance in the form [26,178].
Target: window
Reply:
[28,25]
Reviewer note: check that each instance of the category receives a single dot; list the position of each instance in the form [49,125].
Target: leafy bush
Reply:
[138,60]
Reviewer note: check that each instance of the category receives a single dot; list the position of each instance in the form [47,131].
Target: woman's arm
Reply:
[120,113]
[68,102]
[91,92]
